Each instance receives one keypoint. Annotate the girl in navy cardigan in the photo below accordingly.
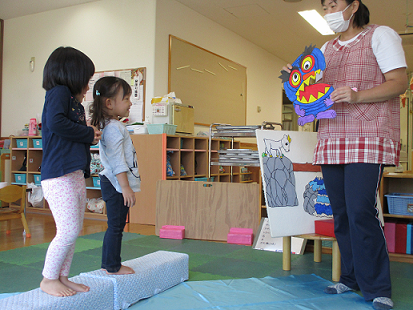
(66, 158)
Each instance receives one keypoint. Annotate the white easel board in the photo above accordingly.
(263, 240)
(294, 190)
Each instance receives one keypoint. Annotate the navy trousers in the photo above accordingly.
(117, 214)
(352, 191)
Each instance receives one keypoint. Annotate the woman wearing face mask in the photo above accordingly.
(367, 68)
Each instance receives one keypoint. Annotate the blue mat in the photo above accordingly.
(292, 292)
(287, 293)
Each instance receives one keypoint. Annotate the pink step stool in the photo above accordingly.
(240, 236)
(172, 232)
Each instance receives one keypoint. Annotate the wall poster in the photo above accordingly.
(136, 78)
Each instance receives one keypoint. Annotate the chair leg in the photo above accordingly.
(287, 253)
(336, 269)
(317, 250)
(26, 227)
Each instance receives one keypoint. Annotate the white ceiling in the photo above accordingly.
(273, 25)
(17, 8)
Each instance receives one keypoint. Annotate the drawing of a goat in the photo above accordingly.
(274, 148)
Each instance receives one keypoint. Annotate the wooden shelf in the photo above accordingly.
(396, 183)
(33, 162)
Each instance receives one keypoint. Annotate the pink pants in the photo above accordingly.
(66, 197)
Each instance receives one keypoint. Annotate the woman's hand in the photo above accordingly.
(344, 94)
(395, 84)
(287, 68)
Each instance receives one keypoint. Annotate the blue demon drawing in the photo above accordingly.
(311, 100)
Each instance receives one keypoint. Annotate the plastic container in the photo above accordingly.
(20, 178)
(96, 181)
(400, 204)
(37, 143)
(154, 129)
(37, 179)
(21, 143)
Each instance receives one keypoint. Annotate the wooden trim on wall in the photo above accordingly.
(1, 65)
(214, 85)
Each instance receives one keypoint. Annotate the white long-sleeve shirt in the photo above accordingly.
(118, 155)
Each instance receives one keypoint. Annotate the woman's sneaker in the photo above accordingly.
(382, 303)
(337, 288)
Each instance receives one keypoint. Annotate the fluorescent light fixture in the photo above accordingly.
(317, 21)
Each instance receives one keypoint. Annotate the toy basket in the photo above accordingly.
(400, 204)
(96, 181)
(154, 129)
(20, 178)
(37, 179)
(21, 143)
(37, 143)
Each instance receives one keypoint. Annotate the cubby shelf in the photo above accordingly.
(29, 147)
(396, 183)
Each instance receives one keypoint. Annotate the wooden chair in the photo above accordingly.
(10, 194)
(4, 157)
(336, 256)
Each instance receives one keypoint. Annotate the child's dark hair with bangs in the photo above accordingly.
(69, 67)
(106, 87)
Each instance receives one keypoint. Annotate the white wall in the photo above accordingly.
(114, 34)
(120, 34)
(263, 85)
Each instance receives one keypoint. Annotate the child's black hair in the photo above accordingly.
(106, 87)
(69, 67)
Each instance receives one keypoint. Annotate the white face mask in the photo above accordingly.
(336, 21)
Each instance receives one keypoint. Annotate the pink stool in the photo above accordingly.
(172, 232)
(241, 236)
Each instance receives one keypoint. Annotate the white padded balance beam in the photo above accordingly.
(154, 273)
(100, 296)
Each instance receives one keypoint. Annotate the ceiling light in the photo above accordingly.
(317, 21)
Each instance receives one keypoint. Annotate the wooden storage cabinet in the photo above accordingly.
(33, 166)
(207, 210)
(189, 151)
(28, 155)
(396, 183)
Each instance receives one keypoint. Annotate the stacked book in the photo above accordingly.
(398, 233)
(238, 156)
